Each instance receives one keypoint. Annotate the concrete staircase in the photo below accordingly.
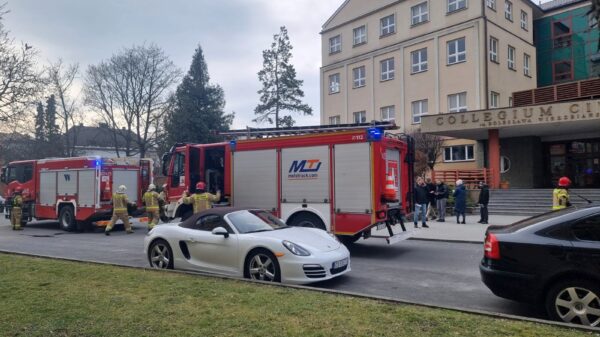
(533, 201)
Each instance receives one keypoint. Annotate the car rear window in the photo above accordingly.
(537, 219)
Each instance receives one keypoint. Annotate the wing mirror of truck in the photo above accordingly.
(166, 160)
(220, 231)
(3, 175)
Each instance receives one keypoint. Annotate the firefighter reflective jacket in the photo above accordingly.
(151, 200)
(202, 201)
(17, 201)
(560, 198)
(120, 203)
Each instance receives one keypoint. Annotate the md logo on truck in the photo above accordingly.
(304, 169)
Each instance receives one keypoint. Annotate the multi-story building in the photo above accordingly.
(407, 59)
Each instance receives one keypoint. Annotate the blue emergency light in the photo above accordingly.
(374, 134)
(232, 144)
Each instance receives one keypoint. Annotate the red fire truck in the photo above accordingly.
(328, 177)
(74, 191)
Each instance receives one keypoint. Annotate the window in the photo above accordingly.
(178, 170)
(526, 59)
(458, 153)
(419, 109)
(388, 25)
(456, 51)
(457, 102)
(20, 172)
(524, 20)
(360, 35)
(511, 58)
(360, 117)
(419, 13)
(561, 33)
(418, 61)
(563, 71)
(387, 69)
(334, 120)
(209, 222)
(494, 49)
(388, 113)
(334, 83)
(491, 4)
(508, 10)
(335, 44)
(359, 77)
(454, 5)
(587, 229)
(494, 99)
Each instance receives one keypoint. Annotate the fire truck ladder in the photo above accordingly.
(303, 130)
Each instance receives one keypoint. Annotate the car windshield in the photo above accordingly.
(254, 221)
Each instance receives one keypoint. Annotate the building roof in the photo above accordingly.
(554, 4)
(97, 136)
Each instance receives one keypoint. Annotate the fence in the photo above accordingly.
(470, 177)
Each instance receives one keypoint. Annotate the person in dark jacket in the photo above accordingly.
(441, 196)
(421, 200)
(484, 199)
(431, 207)
(460, 201)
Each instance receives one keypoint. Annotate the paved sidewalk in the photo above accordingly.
(451, 231)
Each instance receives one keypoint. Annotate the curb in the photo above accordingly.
(331, 291)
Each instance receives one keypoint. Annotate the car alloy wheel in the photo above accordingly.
(261, 267)
(578, 305)
(160, 255)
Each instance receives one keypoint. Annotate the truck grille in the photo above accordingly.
(314, 271)
(338, 270)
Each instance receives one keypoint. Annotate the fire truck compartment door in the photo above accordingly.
(305, 174)
(129, 178)
(67, 182)
(47, 188)
(255, 179)
(353, 190)
(392, 165)
(87, 188)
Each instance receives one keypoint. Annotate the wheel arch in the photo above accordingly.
(64, 203)
(565, 276)
(311, 211)
(250, 252)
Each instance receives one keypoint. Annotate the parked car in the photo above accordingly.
(552, 260)
(247, 243)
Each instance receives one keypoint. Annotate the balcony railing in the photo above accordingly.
(470, 178)
(559, 92)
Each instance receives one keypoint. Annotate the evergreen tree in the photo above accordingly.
(40, 123)
(197, 107)
(52, 132)
(281, 90)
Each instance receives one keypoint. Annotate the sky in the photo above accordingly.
(232, 33)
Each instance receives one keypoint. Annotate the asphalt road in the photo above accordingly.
(426, 272)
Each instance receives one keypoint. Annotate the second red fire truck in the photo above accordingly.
(336, 178)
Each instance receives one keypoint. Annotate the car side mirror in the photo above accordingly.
(220, 231)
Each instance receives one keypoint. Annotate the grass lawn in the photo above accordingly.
(42, 297)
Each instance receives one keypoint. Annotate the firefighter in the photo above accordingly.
(560, 195)
(151, 200)
(201, 200)
(120, 202)
(16, 212)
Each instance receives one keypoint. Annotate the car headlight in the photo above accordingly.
(295, 249)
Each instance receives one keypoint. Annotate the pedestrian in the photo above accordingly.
(441, 196)
(151, 200)
(201, 200)
(484, 199)
(120, 202)
(421, 200)
(432, 213)
(560, 195)
(460, 201)
(16, 211)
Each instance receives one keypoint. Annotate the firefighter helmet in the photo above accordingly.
(200, 186)
(151, 187)
(564, 182)
(122, 189)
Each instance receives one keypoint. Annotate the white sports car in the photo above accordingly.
(247, 243)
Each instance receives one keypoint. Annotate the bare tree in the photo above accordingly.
(19, 80)
(131, 91)
(61, 78)
(429, 146)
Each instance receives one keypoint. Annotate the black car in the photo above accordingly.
(552, 260)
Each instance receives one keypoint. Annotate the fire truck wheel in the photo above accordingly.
(66, 219)
(306, 219)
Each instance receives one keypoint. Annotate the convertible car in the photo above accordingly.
(247, 243)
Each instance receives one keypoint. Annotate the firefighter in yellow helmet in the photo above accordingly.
(120, 202)
(202, 200)
(560, 195)
(151, 200)
(16, 211)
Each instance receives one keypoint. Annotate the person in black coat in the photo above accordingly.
(484, 199)
(460, 201)
(421, 201)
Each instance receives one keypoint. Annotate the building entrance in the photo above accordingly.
(579, 160)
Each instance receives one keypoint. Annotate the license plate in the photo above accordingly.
(340, 263)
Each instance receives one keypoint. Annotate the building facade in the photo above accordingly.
(405, 60)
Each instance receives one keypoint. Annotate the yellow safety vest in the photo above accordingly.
(560, 198)
(151, 200)
(202, 201)
(120, 202)
(17, 201)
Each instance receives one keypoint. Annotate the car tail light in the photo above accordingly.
(491, 247)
